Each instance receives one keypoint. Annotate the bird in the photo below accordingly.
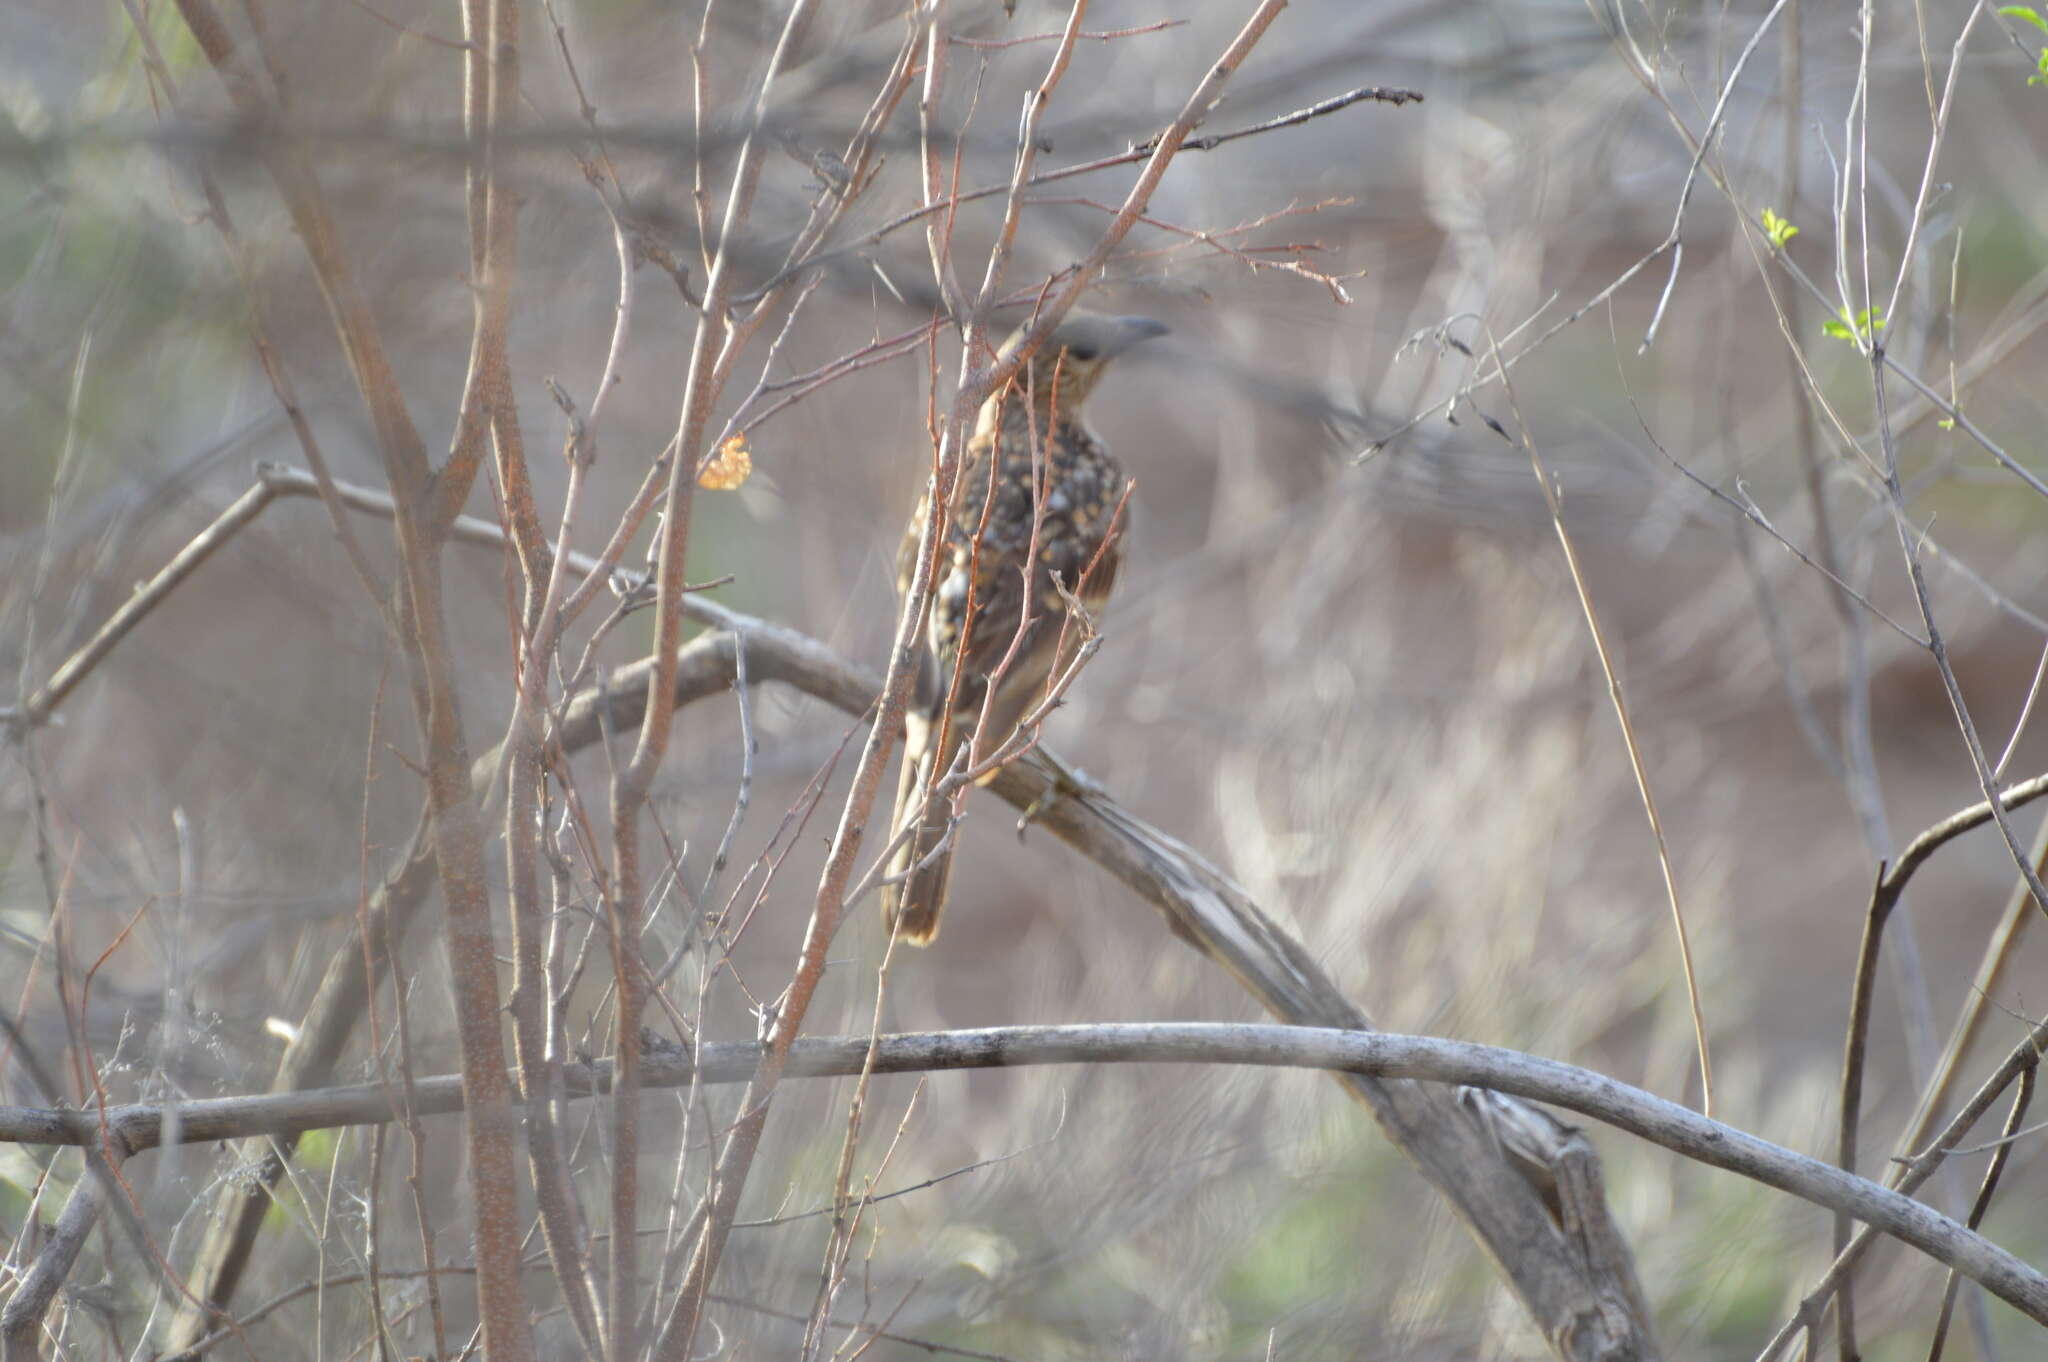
(1029, 435)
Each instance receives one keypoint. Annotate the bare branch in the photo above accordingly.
(1379, 1055)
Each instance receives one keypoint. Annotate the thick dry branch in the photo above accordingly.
(1372, 1054)
(1585, 1298)
(1589, 1303)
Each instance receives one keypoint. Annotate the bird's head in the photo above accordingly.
(1065, 368)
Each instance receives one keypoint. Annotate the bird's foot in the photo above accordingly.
(1063, 782)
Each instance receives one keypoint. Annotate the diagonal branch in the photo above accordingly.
(1586, 1307)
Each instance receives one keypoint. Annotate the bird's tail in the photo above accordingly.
(911, 906)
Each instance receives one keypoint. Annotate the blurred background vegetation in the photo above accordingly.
(1357, 676)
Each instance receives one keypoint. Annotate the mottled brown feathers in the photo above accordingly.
(1028, 436)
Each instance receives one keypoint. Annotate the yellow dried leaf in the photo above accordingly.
(729, 467)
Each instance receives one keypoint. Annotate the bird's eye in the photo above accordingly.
(1084, 353)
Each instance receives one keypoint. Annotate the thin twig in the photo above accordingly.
(2001, 1155)
(1628, 736)
(1139, 152)
(1912, 1173)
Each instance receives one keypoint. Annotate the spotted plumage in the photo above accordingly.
(1029, 436)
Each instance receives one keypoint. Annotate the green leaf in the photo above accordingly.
(1778, 229)
(1866, 323)
(2026, 13)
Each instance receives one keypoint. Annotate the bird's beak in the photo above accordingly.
(1130, 331)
